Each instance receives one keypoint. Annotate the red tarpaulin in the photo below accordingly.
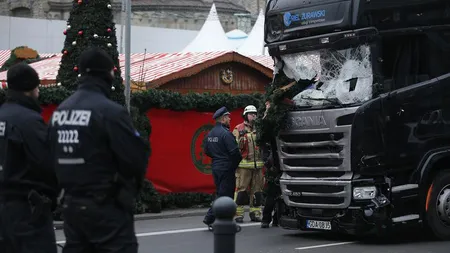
(177, 163)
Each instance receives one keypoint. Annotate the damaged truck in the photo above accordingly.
(366, 146)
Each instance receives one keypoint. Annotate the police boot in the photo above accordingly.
(264, 224)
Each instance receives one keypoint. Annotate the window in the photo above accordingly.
(21, 12)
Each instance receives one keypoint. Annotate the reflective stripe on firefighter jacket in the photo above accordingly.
(246, 139)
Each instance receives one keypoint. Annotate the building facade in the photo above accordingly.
(176, 14)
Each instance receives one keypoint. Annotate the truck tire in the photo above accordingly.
(438, 214)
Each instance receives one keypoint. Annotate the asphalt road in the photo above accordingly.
(188, 235)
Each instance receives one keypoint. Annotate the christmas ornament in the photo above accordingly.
(59, 84)
(65, 52)
(80, 33)
(109, 30)
(113, 88)
(109, 6)
(75, 68)
(109, 45)
(68, 27)
(79, 75)
(80, 1)
(95, 36)
(115, 68)
(74, 43)
(65, 32)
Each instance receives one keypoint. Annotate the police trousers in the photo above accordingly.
(93, 227)
(253, 179)
(271, 205)
(225, 182)
(26, 229)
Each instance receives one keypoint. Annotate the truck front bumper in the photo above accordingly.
(355, 220)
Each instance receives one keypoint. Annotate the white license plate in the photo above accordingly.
(316, 224)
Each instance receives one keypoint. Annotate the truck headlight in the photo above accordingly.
(367, 192)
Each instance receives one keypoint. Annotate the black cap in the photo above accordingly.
(95, 60)
(221, 112)
(22, 77)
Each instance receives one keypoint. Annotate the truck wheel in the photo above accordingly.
(438, 213)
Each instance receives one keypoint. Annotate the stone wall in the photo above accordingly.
(176, 19)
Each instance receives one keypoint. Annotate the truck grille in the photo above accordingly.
(314, 153)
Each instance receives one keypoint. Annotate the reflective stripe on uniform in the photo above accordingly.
(250, 164)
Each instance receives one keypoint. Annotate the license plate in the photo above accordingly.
(316, 224)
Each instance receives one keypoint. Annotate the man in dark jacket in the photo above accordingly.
(222, 147)
(27, 180)
(100, 162)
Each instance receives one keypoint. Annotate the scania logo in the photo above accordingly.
(308, 121)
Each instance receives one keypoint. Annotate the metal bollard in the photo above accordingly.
(224, 227)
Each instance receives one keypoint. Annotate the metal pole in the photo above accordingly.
(224, 226)
(122, 23)
(127, 55)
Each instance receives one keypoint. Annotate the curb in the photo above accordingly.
(155, 216)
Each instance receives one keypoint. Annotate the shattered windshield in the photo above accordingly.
(338, 76)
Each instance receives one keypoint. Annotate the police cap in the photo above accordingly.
(221, 112)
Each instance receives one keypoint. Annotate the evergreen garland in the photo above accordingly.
(149, 200)
(280, 104)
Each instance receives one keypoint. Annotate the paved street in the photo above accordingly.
(187, 235)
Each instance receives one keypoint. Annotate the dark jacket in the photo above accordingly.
(93, 141)
(222, 147)
(24, 149)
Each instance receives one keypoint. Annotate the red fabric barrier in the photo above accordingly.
(177, 163)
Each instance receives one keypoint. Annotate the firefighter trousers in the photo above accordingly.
(253, 179)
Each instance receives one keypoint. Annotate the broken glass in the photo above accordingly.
(344, 76)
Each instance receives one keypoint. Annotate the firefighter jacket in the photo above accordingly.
(94, 143)
(25, 162)
(246, 138)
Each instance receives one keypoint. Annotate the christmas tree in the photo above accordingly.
(90, 24)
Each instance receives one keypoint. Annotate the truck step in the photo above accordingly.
(404, 218)
(404, 187)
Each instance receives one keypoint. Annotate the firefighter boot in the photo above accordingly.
(241, 199)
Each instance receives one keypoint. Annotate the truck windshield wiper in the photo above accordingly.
(334, 101)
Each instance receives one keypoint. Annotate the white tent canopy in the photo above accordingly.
(211, 37)
(254, 44)
(236, 38)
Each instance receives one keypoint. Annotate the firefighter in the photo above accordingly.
(249, 172)
(100, 160)
(28, 184)
(221, 146)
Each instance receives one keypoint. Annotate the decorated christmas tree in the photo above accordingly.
(90, 24)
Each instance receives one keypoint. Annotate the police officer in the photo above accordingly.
(27, 180)
(100, 162)
(273, 190)
(221, 146)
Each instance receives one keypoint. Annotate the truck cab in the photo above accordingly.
(366, 146)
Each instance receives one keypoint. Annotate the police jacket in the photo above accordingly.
(25, 163)
(221, 146)
(94, 141)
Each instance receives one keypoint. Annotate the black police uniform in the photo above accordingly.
(273, 190)
(221, 146)
(100, 162)
(27, 180)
